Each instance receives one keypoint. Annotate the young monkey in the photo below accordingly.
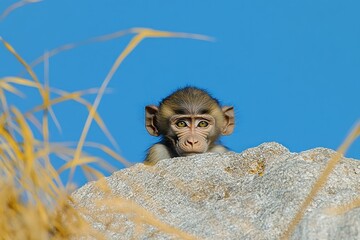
(189, 122)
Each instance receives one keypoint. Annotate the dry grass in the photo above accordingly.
(34, 203)
(320, 182)
(15, 6)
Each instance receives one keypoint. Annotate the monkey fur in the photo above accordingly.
(189, 121)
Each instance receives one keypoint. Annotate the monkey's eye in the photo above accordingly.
(203, 124)
(181, 124)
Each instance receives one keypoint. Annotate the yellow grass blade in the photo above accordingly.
(142, 33)
(133, 43)
(97, 117)
(20, 59)
(47, 104)
(70, 96)
(34, 121)
(8, 87)
(5, 115)
(91, 173)
(70, 46)
(107, 37)
(28, 139)
(27, 161)
(152, 33)
(52, 174)
(45, 130)
(16, 5)
(343, 208)
(21, 81)
(55, 119)
(75, 96)
(80, 161)
(46, 99)
(11, 142)
(103, 126)
(110, 152)
(6, 152)
(105, 165)
(42, 182)
(66, 154)
(44, 153)
(322, 180)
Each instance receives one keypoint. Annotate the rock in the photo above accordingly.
(250, 195)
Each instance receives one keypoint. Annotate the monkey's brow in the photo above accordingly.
(180, 111)
(177, 117)
(185, 111)
(204, 111)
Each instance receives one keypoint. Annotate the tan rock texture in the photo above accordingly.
(249, 195)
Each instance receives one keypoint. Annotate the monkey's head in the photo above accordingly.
(189, 120)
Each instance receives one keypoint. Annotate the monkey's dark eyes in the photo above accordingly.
(203, 124)
(181, 124)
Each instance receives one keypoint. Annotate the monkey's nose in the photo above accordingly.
(191, 142)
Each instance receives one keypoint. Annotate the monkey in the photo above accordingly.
(189, 121)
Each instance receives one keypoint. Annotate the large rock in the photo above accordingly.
(250, 195)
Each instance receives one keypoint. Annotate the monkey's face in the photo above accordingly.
(189, 121)
(191, 134)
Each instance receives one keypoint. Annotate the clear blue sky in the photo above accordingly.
(290, 68)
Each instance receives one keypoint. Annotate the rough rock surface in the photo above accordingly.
(250, 195)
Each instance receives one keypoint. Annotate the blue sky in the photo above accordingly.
(290, 68)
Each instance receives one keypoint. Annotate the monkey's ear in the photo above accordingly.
(229, 123)
(150, 119)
